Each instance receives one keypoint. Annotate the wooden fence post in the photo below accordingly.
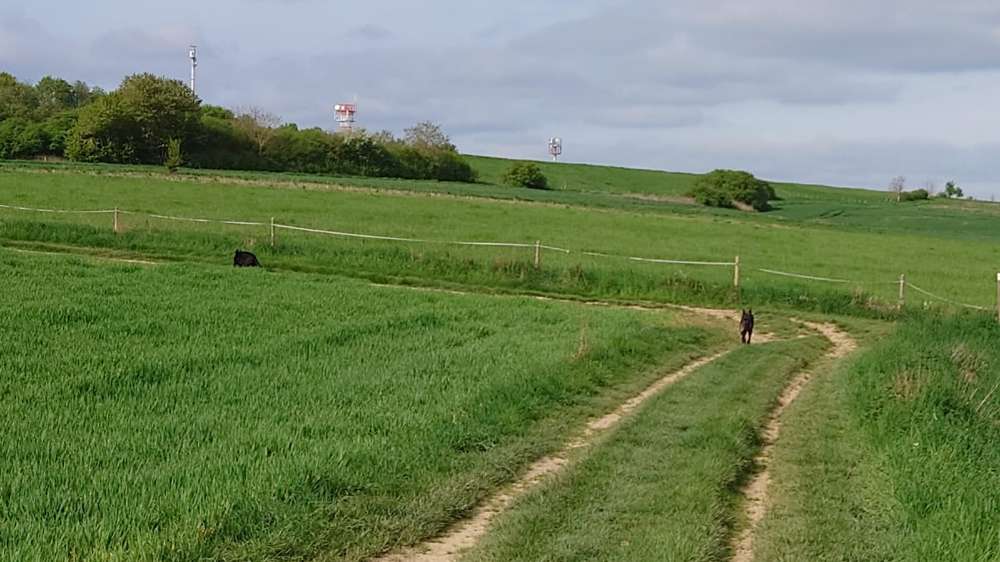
(538, 254)
(116, 220)
(902, 290)
(272, 232)
(736, 273)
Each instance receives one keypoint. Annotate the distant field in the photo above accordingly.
(190, 412)
(592, 178)
(609, 188)
(945, 248)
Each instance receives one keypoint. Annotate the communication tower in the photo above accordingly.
(555, 148)
(193, 55)
(345, 114)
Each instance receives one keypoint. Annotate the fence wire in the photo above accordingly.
(536, 245)
(945, 299)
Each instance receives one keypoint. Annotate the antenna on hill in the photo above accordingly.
(555, 148)
(193, 55)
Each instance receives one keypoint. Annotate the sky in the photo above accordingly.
(840, 92)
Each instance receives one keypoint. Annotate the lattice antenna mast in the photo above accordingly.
(193, 55)
(555, 148)
(346, 115)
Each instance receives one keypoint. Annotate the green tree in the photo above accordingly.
(952, 191)
(526, 174)
(730, 188)
(16, 99)
(134, 123)
(359, 154)
(105, 132)
(54, 95)
(57, 129)
(216, 112)
(20, 138)
(84, 94)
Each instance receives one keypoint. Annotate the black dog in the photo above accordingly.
(245, 259)
(746, 326)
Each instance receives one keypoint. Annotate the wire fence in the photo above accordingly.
(537, 247)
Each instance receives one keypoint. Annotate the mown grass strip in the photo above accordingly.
(665, 485)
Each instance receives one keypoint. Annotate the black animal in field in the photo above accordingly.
(746, 326)
(245, 259)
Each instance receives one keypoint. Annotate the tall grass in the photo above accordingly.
(188, 412)
(893, 456)
(929, 400)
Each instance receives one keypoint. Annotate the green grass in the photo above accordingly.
(631, 181)
(896, 451)
(962, 269)
(665, 485)
(830, 497)
(188, 412)
(623, 189)
(255, 415)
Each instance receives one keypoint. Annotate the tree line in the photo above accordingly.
(154, 120)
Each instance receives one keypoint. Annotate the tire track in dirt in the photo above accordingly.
(755, 493)
(466, 534)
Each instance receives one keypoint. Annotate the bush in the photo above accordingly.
(174, 157)
(526, 174)
(729, 188)
(450, 166)
(20, 138)
(915, 195)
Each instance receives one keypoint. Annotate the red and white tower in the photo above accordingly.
(345, 113)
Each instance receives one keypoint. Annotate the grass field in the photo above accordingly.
(959, 266)
(599, 187)
(666, 486)
(896, 451)
(190, 412)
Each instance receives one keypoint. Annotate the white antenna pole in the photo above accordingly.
(193, 55)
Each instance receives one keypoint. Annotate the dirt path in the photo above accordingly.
(82, 255)
(755, 493)
(466, 534)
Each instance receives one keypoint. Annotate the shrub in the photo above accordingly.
(174, 158)
(450, 166)
(729, 188)
(915, 195)
(526, 174)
